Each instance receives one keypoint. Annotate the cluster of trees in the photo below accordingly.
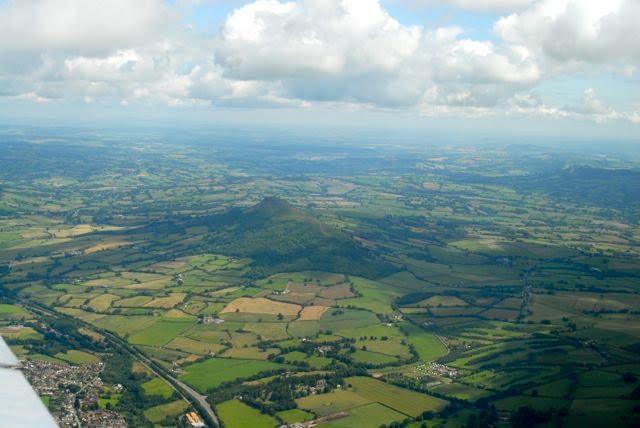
(280, 393)
(133, 400)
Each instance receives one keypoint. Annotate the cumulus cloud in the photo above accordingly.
(472, 5)
(86, 26)
(353, 50)
(307, 52)
(269, 39)
(590, 31)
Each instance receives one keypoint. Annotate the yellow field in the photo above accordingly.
(136, 367)
(30, 261)
(177, 313)
(312, 313)
(193, 346)
(156, 284)
(81, 229)
(108, 245)
(250, 353)
(91, 334)
(261, 305)
(168, 266)
(103, 302)
(166, 302)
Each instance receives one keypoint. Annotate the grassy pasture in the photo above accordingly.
(462, 392)
(78, 357)
(392, 348)
(12, 312)
(375, 296)
(203, 333)
(214, 371)
(158, 413)
(250, 353)
(157, 386)
(166, 302)
(156, 284)
(193, 346)
(402, 400)
(236, 414)
(160, 333)
(303, 328)
(24, 333)
(268, 330)
(428, 346)
(123, 325)
(335, 319)
(369, 357)
(366, 416)
(314, 361)
(102, 303)
(133, 302)
(332, 402)
(294, 416)
(560, 388)
(241, 339)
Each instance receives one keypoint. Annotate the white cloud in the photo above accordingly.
(84, 26)
(354, 51)
(301, 53)
(587, 31)
(268, 39)
(472, 5)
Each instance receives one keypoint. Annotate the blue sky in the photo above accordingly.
(501, 66)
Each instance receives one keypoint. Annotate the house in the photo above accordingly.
(194, 420)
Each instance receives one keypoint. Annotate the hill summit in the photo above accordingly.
(273, 208)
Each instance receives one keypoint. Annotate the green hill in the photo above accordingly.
(281, 237)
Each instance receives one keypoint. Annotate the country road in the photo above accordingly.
(202, 399)
(184, 388)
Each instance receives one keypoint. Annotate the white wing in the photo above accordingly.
(20, 406)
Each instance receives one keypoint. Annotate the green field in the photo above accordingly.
(160, 333)
(78, 357)
(295, 415)
(12, 312)
(215, 371)
(236, 414)
(366, 416)
(408, 402)
(158, 413)
(333, 402)
(462, 392)
(428, 346)
(157, 386)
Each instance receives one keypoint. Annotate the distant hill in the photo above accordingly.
(615, 188)
(281, 237)
(604, 187)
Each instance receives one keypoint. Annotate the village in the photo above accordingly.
(72, 393)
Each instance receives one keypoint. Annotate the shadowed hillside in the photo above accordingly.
(279, 236)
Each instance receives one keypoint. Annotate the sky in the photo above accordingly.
(565, 67)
